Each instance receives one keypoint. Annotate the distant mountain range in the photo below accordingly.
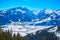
(45, 17)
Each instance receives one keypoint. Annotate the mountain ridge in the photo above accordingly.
(19, 14)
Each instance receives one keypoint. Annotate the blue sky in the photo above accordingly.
(31, 4)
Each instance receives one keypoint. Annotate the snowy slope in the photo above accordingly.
(22, 29)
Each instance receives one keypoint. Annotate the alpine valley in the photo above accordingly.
(24, 21)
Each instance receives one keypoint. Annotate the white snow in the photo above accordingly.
(57, 12)
(20, 10)
(48, 11)
(47, 19)
(53, 29)
(57, 34)
(36, 12)
(23, 30)
(53, 15)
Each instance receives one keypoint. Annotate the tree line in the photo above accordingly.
(8, 36)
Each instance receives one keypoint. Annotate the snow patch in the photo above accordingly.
(57, 12)
(53, 29)
(20, 10)
(47, 19)
(36, 12)
(48, 11)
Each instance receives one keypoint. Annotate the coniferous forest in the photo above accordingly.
(8, 36)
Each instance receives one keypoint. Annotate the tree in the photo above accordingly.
(18, 37)
(58, 29)
(0, 28)
(8, 35)
(14, 37)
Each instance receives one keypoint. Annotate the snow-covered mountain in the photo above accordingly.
(27, 21)
(52, 16)
(19, 14)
